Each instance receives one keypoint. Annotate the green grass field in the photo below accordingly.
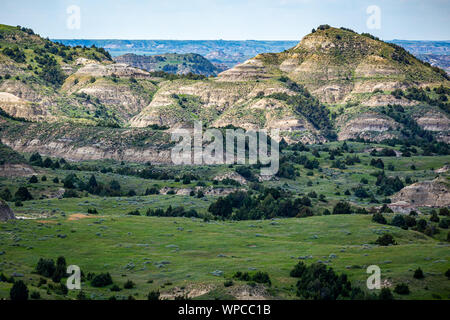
(177, 256)
(194, 249)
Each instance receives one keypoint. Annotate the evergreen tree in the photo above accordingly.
(23, 194)
(19, 291)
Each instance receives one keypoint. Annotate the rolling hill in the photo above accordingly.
(335, 83)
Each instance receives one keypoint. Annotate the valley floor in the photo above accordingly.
(182, 256)
(196, 257)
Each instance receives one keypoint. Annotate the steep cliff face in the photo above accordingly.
(434, 121)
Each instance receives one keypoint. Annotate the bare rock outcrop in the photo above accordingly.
(5, 212)
(250, 70)
(434, 194)
(209, 191)
(434, 121)
(370, 126)
(16, 170)
(119, 69)
(20, 108)
(444, 169)
(233, 176)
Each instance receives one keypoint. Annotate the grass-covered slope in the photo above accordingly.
(352, 74)
(67, 212)
(45, 81)
(334, 63)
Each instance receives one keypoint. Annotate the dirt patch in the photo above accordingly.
(46, 221)
(79, 216)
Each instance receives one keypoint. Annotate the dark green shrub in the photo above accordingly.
(60, 270)
(342, 207)
(134, 213)
(101, 280)
(444, 223)
(386, 294)
(153, 296)
(228, 283)
(115, 288)
(6, 195)
(298, 270)
(243, 276)
(410, 221)
(23, 194)
(35, 295)
(151, 191)
(19, 291)
(45, 267)
(434, 217)
(385, 240)
(447, 273)
(129, 285)
(421, 225)
(379, 218)
(318, 282)
(385, 209)
(399, 221)
(418, 274)
(261, 277)
(402, 288)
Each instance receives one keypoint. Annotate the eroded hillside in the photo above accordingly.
(335, 84)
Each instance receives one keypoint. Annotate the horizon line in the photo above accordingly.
(286, 40)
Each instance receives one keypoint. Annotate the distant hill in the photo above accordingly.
(334, 84)
(353, 75)
(438, 60)
(172, 63)
(229, 53)
(437, 53)
(424, 47)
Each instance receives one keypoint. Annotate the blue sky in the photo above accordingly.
(227, 19)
